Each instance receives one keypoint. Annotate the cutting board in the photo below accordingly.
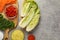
(15, 20)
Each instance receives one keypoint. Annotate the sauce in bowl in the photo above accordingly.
(11, 11)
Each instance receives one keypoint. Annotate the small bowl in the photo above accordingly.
(13, 17)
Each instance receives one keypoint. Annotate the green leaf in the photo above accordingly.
(27, 6)
(4, 23)
(25, 21)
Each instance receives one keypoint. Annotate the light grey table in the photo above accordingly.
(49, 25)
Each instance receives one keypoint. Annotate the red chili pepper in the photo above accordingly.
(11, 11)
(31, 37)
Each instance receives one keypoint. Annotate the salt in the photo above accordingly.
(1, 35)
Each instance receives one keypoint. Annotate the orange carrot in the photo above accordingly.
(4, 2)
(11, 1)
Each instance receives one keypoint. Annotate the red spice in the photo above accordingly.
(11, 11)
(31, 37)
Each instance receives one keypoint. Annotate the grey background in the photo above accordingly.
(49, 24)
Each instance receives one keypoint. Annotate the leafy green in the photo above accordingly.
(34, 21)
(1, 16)
(4, 23)
(25, 21)
(27, 6)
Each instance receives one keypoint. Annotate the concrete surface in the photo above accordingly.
(49, 27)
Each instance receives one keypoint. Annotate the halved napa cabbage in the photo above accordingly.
(26, 20)
(26, 8)
(33, 22)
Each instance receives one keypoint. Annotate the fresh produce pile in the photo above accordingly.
(4, 23)
(30, 15)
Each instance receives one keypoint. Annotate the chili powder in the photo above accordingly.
(31, 37)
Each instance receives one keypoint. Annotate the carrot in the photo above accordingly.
(11, 1)
(1, 7)
(4, 2)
